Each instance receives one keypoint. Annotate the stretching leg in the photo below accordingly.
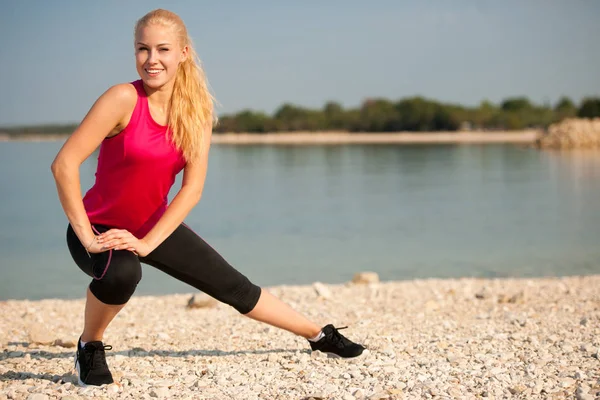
(188, 258)
(273, 311)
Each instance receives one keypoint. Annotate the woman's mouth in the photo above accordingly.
(153, 72)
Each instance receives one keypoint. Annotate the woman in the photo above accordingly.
(148, 131)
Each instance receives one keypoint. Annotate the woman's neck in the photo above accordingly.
(161, 97)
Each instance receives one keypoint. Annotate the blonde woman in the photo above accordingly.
(148, 131)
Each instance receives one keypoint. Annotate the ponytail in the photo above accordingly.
(191, 109)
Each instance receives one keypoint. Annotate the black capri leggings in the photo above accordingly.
(184, 255)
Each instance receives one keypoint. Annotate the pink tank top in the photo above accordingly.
(136, 170)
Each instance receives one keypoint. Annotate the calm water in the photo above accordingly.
(295, 215)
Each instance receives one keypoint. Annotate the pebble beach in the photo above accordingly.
(435, 339)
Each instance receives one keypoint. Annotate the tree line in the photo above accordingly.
(410, 114)
(383, 115)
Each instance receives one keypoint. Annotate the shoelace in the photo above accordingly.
(337, 339)
(96, 355)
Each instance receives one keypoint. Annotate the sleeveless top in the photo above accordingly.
(136, 170)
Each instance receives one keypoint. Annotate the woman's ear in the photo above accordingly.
(185, 53)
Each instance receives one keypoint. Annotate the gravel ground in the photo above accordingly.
(462, 338)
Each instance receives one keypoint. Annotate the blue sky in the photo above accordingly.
(59, 56)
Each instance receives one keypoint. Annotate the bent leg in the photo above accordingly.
(97, 317)
(115, 276)
(108, 295)
(188, 258)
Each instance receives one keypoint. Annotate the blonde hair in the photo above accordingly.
(191, 107)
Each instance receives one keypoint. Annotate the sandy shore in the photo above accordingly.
(304, 138)
(524, 137)
(463, 338)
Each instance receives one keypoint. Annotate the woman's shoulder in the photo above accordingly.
(119, 100)
(122, 93)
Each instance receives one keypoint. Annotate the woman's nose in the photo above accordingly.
(151, 56)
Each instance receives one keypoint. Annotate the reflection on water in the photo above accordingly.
(297, 214)
(575, 168)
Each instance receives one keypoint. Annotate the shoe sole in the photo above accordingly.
(334, 355)
(79, 381)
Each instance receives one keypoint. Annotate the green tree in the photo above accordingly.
(334, 116)
(293, 118)
(377, 115)
(249, 121)
(516, 104)
(590, 108)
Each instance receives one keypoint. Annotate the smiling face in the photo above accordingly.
(158, 52)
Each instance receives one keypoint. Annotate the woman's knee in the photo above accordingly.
(119, 282)
(243, 296)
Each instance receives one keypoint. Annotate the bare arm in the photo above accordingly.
(194, 176)
(105, 117)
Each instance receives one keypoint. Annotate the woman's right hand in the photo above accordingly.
(95, 246)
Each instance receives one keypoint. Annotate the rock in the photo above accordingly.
(365, 278)
(322, 290)
(202, 300)
(384, 394)
(519, 298)
(40, 335)
(160, 392)
(567, 382)
(503, 298)
(484, 293)
(318, 355)
(452, 358)
(454, 392)
(582, 393)
(37, 396)
(67, 343)
(190, 380)
(580, 375)
(572, 133)
(517, 389)
(431, 305)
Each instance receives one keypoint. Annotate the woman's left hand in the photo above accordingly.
(122, 239)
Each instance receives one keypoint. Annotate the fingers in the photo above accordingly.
(110, 237)
(113, 233)
(117, 239)
(118, 244)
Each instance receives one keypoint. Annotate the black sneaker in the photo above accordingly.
(335, 343)
(90, 363)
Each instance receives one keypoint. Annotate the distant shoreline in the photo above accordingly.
(319, 138)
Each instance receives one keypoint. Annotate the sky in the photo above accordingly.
(57, 57)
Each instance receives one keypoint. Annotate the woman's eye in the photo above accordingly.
(164, 49)
(142, 48)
